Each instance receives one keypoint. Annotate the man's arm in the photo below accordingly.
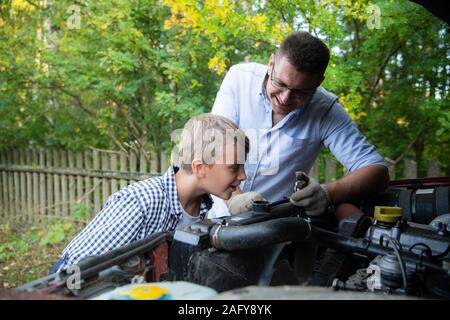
(359, 184)
(234, 194)
(368, 174)
(225, 103)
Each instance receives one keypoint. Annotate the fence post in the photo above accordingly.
(105, 182)
(114, 184)
(36, 206)
(72, 185)
(11, 215)
(29, 176)
(50, 192)
(314, 172)
(391, 167)
(16, 191)
(57, 183)
(87, 184)
(23, 186)
(64, 185)
(164, 164)
(153, 162)
(42, 198)
(3, 191)
(433, 169)
(142, 162)
(330, 169)
(96, 166)
(79, 165)
(133, 163)
(123, 168)
(410, 169)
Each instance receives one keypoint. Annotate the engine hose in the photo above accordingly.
(260, 234)
(365, 248)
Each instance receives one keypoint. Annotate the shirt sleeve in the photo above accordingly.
(226, 103)
(116, 225)
(342, 137)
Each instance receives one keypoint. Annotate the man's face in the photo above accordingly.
(288, 88)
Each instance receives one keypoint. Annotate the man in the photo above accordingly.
(289, 117)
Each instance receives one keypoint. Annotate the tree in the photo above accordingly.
(120, 74)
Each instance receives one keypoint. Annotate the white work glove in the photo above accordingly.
(314, 197)
(243, 202)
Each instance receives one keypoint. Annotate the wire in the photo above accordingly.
(430, 252)
(442, 255)
(426, 249)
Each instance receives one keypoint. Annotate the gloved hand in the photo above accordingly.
(243, 202)
(314, 197)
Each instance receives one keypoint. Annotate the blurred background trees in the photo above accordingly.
(119, 73)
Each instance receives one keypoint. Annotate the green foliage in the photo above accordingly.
(28, 252)
(55, 233)
(80, 211)
(7, 250)
(136, 70)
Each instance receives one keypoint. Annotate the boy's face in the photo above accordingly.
(222, 179)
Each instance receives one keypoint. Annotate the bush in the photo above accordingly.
(28, 252)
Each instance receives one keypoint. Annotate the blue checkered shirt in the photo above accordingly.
(130, 214)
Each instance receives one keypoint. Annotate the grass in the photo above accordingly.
(28, 252)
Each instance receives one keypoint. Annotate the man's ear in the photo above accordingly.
(198, 168)
(271, 60)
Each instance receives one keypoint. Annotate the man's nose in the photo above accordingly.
(285, 96)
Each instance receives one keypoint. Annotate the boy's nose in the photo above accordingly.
(242, 176)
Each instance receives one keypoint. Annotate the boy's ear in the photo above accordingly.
(198, 168)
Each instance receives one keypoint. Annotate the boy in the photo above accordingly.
(211, 155)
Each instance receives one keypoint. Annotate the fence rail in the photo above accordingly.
(36, 184)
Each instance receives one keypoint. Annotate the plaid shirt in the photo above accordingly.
(128, 215)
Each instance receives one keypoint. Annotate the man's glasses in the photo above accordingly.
(296, 93)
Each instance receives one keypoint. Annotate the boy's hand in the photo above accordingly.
(313, 197)
(243, 202)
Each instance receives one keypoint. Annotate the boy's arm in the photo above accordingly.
(118, 224)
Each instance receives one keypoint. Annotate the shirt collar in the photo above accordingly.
(171, 188)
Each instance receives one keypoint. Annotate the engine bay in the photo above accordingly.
(397, 244)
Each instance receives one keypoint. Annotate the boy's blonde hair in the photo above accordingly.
(206, 136)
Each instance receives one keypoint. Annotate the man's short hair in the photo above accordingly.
(305, 52)
(206, 136)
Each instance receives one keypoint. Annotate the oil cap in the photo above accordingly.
(388, 215)
(260, 206)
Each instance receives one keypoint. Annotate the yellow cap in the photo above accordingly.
(145, 292)
(388, 214)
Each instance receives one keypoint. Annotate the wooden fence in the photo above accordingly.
(37, 185)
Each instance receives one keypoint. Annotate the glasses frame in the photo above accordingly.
(296, 93)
